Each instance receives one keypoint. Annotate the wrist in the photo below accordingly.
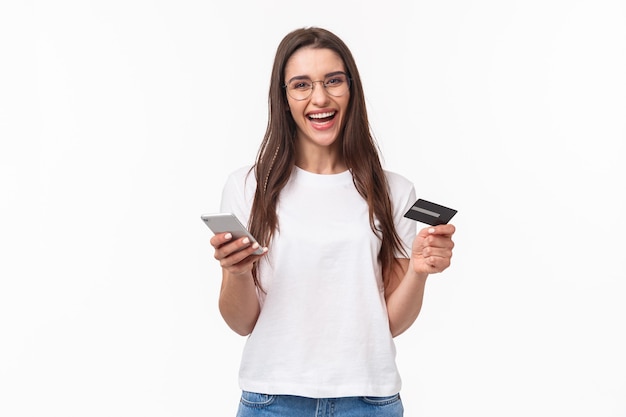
(417, 275)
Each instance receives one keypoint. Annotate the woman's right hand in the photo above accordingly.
(235, 256)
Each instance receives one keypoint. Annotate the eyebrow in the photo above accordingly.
(306, 77)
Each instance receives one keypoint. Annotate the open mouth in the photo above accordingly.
(322, 117)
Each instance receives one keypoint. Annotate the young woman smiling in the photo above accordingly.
(343, 272)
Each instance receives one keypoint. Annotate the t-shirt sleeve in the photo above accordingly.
(403, 196)
(238, 193)
(406, 228)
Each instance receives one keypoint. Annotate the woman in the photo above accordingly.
(343, 272)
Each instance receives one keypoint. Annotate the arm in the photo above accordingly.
(404, 294)
(238, 302)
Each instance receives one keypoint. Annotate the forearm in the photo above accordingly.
(238, 302)
(405, 302)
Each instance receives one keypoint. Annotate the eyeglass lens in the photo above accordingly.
(335, 85)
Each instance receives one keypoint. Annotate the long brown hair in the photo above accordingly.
(277, 154)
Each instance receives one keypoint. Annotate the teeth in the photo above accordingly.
(321, 115)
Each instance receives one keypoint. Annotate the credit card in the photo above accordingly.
(430, 213)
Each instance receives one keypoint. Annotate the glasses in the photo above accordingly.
(301, 88)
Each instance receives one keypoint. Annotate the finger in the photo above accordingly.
(242, 260)
(443, 242)
(229, 248)
(237, 252)
(439, 264)
(245, 265)
(434, 240)
(220, 238)
(442, 229)
(436, 251)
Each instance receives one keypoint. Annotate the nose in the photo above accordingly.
(319, 94)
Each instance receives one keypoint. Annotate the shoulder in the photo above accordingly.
(238, 192)
(401, 191)
(402, 195)
(242, 177)
(397, 182)
(241, 181)
(242, 173)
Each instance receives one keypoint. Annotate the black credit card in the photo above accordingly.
(430, 213)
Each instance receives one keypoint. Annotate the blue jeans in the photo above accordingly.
(263, 405)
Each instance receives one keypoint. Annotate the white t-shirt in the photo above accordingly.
(323, 329)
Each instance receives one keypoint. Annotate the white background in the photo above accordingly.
(120, 120)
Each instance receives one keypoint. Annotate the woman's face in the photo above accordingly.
(319, 117)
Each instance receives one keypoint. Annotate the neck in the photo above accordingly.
(322, 165)
(320, 160)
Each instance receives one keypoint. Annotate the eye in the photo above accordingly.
(335, 81)
(300, 85)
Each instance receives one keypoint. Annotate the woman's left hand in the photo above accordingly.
(432, 249)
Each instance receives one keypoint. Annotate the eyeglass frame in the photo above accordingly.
(348, 80)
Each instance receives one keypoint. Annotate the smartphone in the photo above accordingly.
(228, 222)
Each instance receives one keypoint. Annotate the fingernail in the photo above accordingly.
(246, 240)
(255, 245)
(431, 230)
(228, 236)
